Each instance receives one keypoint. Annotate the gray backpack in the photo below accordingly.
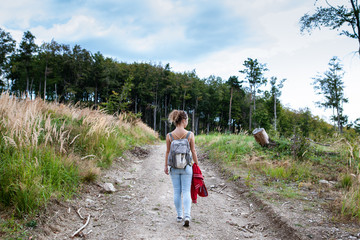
(179, 155)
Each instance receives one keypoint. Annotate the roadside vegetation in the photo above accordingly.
(47, 150)
(330, 169)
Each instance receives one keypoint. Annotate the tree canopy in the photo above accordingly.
(72, 74)
(344, 18)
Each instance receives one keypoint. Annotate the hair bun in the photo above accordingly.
(176, 116)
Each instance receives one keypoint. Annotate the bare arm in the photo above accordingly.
(166, 169)
(192, 148)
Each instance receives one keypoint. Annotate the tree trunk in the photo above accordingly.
(250, 118)
(338, 119)
(56, 95)
(231, 96)
(208, 125)
(261, 136)
(184, 101)
(160, 119)
(27, 82)
(254, 99)
(166, 115)
(136, 103)
(96, 95)
(356, 10)
(31, 84)
(197, 126)
(275, 116)
(155, 108)
(193, 121)
(45, 77)
(39, 93)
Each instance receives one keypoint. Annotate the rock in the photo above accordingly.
(109, 188)
(325, 183)
(118, 181)
(126, 197)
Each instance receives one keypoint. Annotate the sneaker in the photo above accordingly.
(179, 219)
(186, 222)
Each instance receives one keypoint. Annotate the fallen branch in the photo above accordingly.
(230, 196)
(222, 189)
(322, 144)
(78, 212)
(80, 229)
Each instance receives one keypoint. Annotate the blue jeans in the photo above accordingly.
(181, 179)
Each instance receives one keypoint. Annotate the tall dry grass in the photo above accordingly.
(47, 149)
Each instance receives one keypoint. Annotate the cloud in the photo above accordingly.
(160, 29)
(213, 37)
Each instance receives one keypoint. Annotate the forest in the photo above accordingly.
(71, 74)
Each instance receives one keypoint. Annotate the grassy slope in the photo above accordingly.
(47, 150)
(289, 166)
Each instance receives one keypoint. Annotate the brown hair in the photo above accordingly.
(176, 116)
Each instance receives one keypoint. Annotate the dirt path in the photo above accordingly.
(142, 207)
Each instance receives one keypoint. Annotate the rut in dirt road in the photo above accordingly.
(143, 208)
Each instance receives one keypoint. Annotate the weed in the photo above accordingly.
(249, 179)
(346, 181)
(350, 202)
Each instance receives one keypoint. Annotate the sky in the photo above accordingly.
(211, 37)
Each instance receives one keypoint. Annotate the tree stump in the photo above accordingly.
(261, 136)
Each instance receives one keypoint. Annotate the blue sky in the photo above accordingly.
(212, 37)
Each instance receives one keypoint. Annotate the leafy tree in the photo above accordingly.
(261, 114)
(27, 49)
(254, 72)
(98, 75)
(7, 47)
(331, 86)
(345, 17)
(120, 101)
(357, 125)
(49, 56)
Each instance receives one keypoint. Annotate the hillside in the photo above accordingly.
(47, 150)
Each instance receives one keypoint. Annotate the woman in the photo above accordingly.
(181, 178)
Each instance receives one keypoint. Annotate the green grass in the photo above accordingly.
(48, 150)
(351, 203)
(29, 177)
(227, 148)
(288, 162)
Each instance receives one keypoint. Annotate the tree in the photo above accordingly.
(331, 86)
(344, 17)
(7, 46)
(275, 92)
(357, 125)
(49, 53)
(234, 83)
(27, 49)
(254, 75)
(119, 102)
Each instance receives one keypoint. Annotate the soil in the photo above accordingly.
(142, 208)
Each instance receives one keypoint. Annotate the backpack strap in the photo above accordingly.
(188, 135)
(171, 137)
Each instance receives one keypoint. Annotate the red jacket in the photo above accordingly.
(197, 184)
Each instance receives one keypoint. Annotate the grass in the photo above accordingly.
(47, 149)
(288, 163)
